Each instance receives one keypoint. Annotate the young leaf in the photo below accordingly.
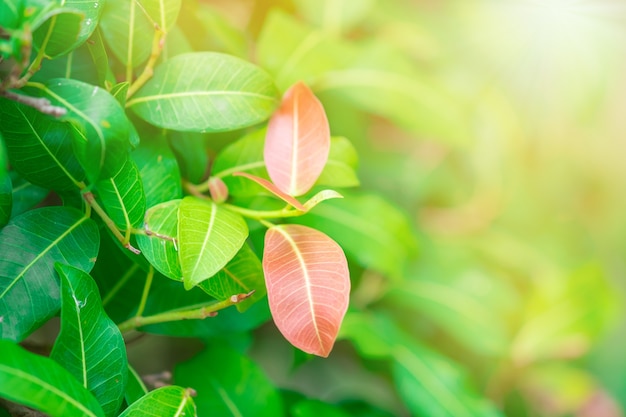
(30, 245)
(297, 142)
(370, 229)
(205, 92)
(89, 345)
(242, 275)
(100, 127)
(40, 147)
(123, 197)
(41, 383)
(209, 236)
(272, 188)
(308, 286)
(158, 246)
(170, 401)
(230, 384)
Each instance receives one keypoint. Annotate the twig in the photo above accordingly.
(41, 104)
(19, 410)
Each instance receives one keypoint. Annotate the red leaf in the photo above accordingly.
(272, 189)
(297, 141)
(308, 286)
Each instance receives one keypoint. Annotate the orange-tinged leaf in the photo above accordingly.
(297, 142)
(272, 188)
(308, 286)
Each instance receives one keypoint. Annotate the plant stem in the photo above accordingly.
(208, 310)
(91, 200)
(270, 214)
(146, 291)
(41, 104)
(148, 71)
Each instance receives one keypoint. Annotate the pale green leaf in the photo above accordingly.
(40, 148)
(370, 230)
(89, 345)
(340, 169)
(169, 401)
(41, 383)
(334, 16)
(230, 384)
(122, 196)
(242, 275)
(159, 245)
(209, 236)
(31, 243)
(205, 92)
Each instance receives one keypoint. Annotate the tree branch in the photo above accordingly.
(41, 104)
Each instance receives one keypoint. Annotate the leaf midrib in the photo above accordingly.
(169, 96)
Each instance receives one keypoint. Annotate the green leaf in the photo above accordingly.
(292, 51)
(78, 64)
(60, 33)
(6, 198)
(89, 345)
(40, 147)
(119, 91)
(241, 275)
(129, 27)
(158, 170)
(159, 246)
(369, 229)
(31, 243)
(432, 385)
(340, 169)
(101, 129)
(135, 388)
(244, 155)
(316, 408)
(100, 58)
(191, 154)
(209, 236)
(163, 402)
(41, 383)
(229, 385)
(122, 196)
(25, 194)
(205, 92)
(455, 310)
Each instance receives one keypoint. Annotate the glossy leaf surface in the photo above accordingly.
(122, 196)
(63, 26)
(89, 345)
(100, 128)
(209, 236)
(169, 401)
(160, 249)
(369, 228)
(40, 147)
(297, 142)
(230, 384)
(242, 275)
(308, 286)
(31, 244)
(41, 383)
(205, 92)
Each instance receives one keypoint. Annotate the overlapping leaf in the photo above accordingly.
(297, 142)
(41, 383)
(369, 228)
(242, 275)
(230, 384)
(89, 345)
(159, 247)
(60, 33)
(101, 129)
(205, 92)
(129, 27)
(122, 196)
(135, 387)
(25, 195)
(79, 64)
(308, 286)
(31, 243)
(40, 148)
(6, 187)
(169, 401)
(209, 236)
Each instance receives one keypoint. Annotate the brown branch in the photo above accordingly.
(41, 104)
